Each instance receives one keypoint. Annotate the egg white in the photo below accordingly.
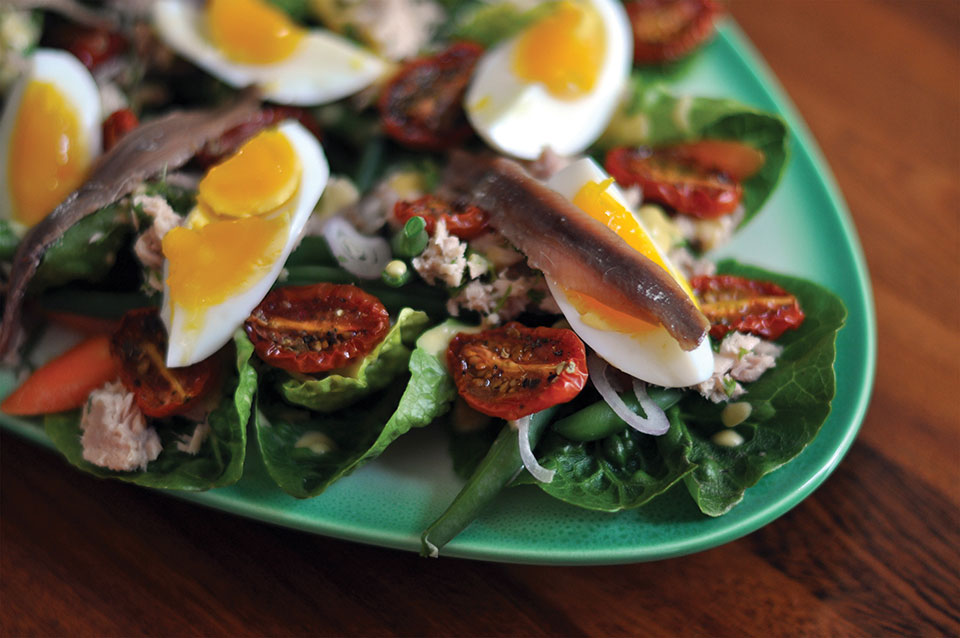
(79, 89)
(653, 356)
(219, 322)
(522, 119)
(325, 67)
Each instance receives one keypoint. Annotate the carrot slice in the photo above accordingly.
(65, 382)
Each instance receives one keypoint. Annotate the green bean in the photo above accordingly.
(411, 239)
(599, 421)
(8, 240)
(95, 303)
(495, 472)
(312, 251)
(396, 274)
(369, 165)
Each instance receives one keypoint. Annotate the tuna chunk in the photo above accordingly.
(741, 358)
(115, 432)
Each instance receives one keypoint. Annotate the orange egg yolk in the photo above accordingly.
(594, 200)
(252, 31)
(208, 265)
(260, 177)
(239, 227)
(48, 157)
(564, 51)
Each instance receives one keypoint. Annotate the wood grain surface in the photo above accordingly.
(874, 551)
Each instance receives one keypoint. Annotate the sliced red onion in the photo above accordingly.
(537, 471)
(654, 424)
(657, 421)
(360, 255)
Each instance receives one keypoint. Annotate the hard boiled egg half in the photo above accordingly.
(49, 136)
(251, 42)
(556, 84)
(251, 209)
(641, 349)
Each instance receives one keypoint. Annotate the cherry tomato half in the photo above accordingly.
(422, 106)
(667, 30)
(118, 124)
(513, 371)
(316, 328)
(677, 181)
(91, 45)
(464, 221)
(761, 308)
(139, 347)
(219, 148)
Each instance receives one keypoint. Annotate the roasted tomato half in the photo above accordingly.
(667, 30)
(464, 221)
(676, 180)
(91, 45)
(118, 124)
(225, 145)
(513, 371)
(761, 308)
(139, 346)
(422, 106)
(316, 328)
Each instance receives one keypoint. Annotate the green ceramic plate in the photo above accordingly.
(805, 229)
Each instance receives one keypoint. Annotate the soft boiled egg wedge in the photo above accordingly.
(642, 350)
(251, 42)
(251, 209)
(556, 84)
(49, 136)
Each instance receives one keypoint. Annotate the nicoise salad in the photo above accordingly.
(318, 224)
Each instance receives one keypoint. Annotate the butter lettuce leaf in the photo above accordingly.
(372, 373)
(653, 116)
(221, 457)
(305, 453)
(789, 403)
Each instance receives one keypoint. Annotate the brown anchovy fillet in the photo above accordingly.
(579, 251)
(163, 144)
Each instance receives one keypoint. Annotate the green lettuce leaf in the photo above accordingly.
(622, 471)
(336, 391)
(334, 445)
(489, 24)
(220, 459)
(790, 403)
(653, 116)
(87, 251)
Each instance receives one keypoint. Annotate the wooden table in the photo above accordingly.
(874, 551)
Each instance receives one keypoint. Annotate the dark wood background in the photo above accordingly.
(874, 551)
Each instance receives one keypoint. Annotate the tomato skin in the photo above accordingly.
(422, 106)
(761, 308)
(216, 150)
(316, 328)
(139, 348)
(91, 45)
(466, 222)
(513, 371)
(118, 124)
(735, 159)
(668, 178)
(667, 30)
(64, 383)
